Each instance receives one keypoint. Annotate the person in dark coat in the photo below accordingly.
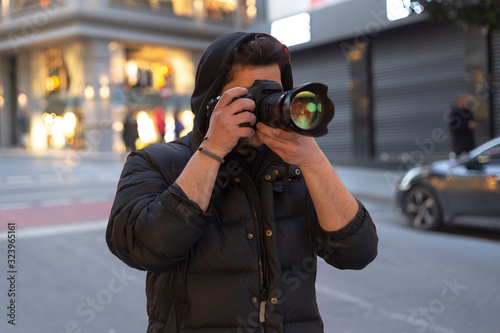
(462, 125)
(230, 234)
(130, 132)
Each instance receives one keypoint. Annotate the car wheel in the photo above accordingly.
(422, 207)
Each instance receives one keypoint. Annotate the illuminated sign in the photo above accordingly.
(399, 9)
(293, 30)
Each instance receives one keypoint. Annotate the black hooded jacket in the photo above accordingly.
(248, 264)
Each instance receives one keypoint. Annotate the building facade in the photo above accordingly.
(73, 71)
(78, 74)
(393, 82)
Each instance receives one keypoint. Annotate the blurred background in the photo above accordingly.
(84, 82)
(81, 74)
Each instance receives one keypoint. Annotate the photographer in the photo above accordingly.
(230, 233)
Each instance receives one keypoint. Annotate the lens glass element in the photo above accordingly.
(306, 110)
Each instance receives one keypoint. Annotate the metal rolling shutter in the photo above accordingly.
(418, 71)
(327, 65)
(495, 82)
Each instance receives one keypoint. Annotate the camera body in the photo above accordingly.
(306, 109)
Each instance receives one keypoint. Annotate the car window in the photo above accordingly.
(491, 155)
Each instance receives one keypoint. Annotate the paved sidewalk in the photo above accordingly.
(363, 182)
(63, 153)
(369, 183)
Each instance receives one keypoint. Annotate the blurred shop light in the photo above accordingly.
(198, 6)
(69, 124)
(228, 5)
(104, 92)
(52, 83)
(22, 100)
(39, 135)
(103, 80)
(88, 93)
(48, 120)
(2, 101)
(146, 128)
(169, 128)
(251, 9)
(131, 68)
(293, 30)
(160, 71)
(155, 4)
(417, 7)
(117, 126)
(164, 70)
(357, 51)
(187, 121)
(4, 6)
(59, 140)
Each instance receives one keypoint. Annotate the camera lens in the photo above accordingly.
(305, 110)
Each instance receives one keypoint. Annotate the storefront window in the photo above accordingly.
(21, 4)
(177, 7)
(158, 82)
(243, 11)
(57, 87)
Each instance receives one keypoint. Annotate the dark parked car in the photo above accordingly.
(462, 190)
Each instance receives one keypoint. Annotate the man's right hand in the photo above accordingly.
(224, 130)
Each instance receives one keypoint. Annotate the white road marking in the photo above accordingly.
(22, 179)
(57, 202)
(380, 310)
(16, 205)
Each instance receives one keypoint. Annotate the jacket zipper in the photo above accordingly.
(263, 266)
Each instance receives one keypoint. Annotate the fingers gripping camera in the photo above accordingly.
(305, 109)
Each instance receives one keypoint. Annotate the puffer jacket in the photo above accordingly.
(251, 256)
(247, 264)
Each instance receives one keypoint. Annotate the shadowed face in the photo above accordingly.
(245, 77)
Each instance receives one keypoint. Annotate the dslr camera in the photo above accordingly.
(306, 109)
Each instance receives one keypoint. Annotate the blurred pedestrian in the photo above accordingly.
(179, 127)
(130, 132)
(462, 125)
(159, 119)
(229, 220)
(24, 127)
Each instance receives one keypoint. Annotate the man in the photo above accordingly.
(462, 125)
(228, 240)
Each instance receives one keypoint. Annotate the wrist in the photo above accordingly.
(213, 147)
(315, 160)
(211, 154)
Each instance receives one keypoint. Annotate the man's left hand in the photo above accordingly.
(292, 147)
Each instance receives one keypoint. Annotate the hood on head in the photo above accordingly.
(212, 70)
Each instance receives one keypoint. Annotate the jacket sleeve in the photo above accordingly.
(352, 247)
(153, 225)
